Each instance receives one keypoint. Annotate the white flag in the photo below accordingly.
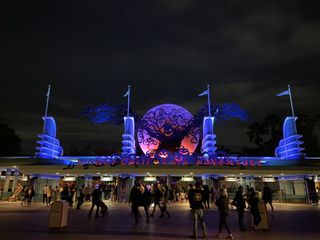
(283, 93)
(204, 93)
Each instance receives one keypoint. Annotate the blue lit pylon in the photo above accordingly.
(49, 146)
(290, 146)
(209, 138)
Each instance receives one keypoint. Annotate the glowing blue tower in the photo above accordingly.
(209, 138)
(128, 142)
(290, 146)
(49, 146)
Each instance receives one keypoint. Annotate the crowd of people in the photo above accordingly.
(156, 196)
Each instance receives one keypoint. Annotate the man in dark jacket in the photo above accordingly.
(239, 202)
(139, 196)
(196, 197)
(135, 200)
(267, 196)
(96, 198)
(223, 206)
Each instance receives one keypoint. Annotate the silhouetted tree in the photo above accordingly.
(255, 132)
(10, 143)
(307, 126)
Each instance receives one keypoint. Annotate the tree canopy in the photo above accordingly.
(10, 143)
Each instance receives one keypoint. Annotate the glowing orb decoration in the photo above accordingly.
(169, 127)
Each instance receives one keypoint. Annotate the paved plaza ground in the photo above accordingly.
(291, 221)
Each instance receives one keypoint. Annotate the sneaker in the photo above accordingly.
(230, 236)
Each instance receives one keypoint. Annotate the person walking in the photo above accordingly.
(87, 193)
(223, 206)
(24, 195)
(157, 195)
(267, 197)
(196, 197)
(50, 193)
(56, 194)
(135, 200)
(206, 199)
(30, 195)
(165, 197)
(240, 204)
(80, 196)
(96, 198)
(44, 194)
(254, 208)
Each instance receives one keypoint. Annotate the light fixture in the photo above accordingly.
(150, 179)
(57, 173)
(187, 179)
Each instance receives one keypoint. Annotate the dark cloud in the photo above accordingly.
(167, 50)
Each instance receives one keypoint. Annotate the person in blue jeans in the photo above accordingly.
(196, 198)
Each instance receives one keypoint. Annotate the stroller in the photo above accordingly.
(103, 209)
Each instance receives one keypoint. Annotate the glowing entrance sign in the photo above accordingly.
(163, 157)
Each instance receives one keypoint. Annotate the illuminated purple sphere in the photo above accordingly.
(167, 126)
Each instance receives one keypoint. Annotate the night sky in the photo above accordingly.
(168, 50)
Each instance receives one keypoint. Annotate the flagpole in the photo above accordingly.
(46, 109)
(209, 109)
(292, 109)
(47, 103)
(128, 109)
